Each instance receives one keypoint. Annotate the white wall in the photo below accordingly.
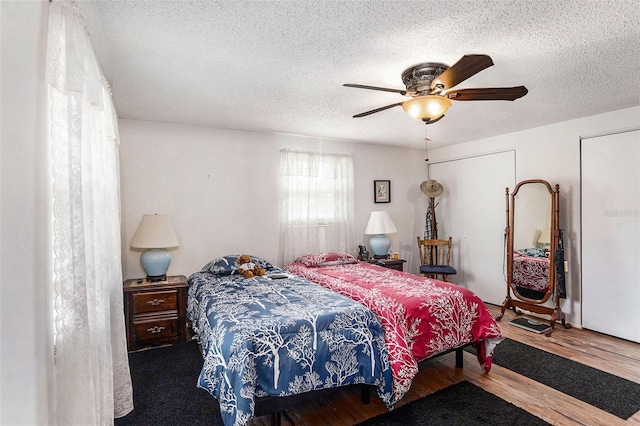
(220, 188)
(552, 153)
(25, 312)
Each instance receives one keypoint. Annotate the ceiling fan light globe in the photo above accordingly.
(430, 107)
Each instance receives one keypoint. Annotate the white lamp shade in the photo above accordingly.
(380, 223)
(545, 237)
(154, 231)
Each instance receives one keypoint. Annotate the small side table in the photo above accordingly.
(155, 312)
(398, 264)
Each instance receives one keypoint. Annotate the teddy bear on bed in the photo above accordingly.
(249, 269)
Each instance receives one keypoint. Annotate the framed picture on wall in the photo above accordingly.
(381, 191)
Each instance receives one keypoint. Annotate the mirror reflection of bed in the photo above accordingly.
(532, 216)
(531, 272)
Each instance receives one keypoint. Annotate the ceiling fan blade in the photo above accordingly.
(383, 89)
(488, 94)
(467, 66)
(364, 114)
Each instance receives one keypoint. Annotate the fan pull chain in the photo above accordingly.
(426, 142)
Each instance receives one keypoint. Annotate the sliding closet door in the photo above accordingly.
(611, 234)
(472, 211)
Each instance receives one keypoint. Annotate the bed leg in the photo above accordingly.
(276, 418)
(365, 396)
(459, 361)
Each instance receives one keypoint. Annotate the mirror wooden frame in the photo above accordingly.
(518, 300)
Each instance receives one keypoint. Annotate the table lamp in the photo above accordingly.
(545, 239)
(380, 223)
(156, 235)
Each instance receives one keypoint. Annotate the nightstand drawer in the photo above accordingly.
(155, 301)
(397, 264)
(156, 329)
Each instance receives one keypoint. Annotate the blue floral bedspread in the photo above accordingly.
(280, 337)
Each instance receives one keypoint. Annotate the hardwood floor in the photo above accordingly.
(615, 356)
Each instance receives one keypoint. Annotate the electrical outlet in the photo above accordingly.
(566, 266)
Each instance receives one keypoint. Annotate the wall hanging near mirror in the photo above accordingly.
(535, 251)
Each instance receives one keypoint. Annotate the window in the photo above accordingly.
(317, 210)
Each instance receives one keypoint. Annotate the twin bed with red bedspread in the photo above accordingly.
(421, 317)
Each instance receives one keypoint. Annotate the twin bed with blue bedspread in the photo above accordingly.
(275, 336)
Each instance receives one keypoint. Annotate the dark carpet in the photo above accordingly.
(613, 394)
(165, 392)
(459, 404)
(164, 389)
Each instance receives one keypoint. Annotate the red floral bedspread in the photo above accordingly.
(531, 272)
(421, 317)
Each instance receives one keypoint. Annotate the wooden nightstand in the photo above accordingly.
(398, 265)
(155, 313)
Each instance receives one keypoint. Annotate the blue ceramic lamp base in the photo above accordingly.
(155, 263)
(379, 246)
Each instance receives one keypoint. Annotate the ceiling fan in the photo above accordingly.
(430, 86)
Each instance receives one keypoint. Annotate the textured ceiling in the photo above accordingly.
(279, 66)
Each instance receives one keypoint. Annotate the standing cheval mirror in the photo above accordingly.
(533, 234)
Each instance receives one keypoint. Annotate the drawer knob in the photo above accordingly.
(155, 302)
(155, 329)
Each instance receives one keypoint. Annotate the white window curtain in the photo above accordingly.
(91, 379)
(317, 209)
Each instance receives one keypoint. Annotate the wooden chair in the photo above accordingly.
(435, 256)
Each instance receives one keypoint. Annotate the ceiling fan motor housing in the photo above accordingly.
(418, 78)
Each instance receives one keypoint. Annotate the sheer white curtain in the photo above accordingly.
(317, 210)
(92, 384)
